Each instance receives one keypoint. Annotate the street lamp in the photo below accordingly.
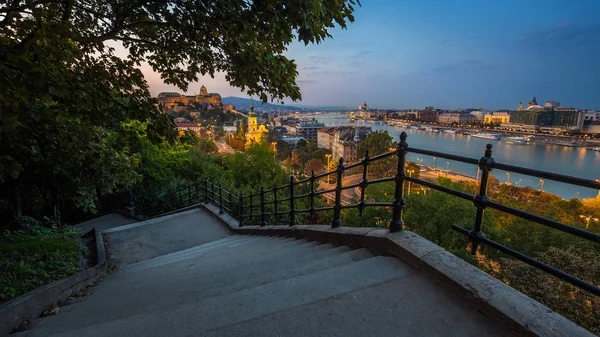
(541, 185)
(434, 163)
(328, 165)
(598, 181)
(447, 167)
(507, 178)
(587, 219)
(410, 175)
(518, 183)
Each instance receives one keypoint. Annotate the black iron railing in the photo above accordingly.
(243, 207)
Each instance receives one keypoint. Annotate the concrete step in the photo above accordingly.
(106, 308)
(233, 307)
(223, 249)
(217, 252)
(228, 242)
(202, 265)
(225, 274)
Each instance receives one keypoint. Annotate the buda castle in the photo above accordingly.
(170, 100)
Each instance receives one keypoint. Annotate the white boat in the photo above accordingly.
(450, 131)
(413, 127)
(485, 135)
(516, 140)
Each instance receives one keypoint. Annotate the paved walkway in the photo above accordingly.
(105, 222)
(147, 239)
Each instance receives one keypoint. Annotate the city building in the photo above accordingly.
(551, 104)
(456, 118)
(590, 115)
(182, 127)
(478, 116)
(255, 131)
(591, 127)
(342, 141)
(552, 120)
(171, 100)
(308, 130)
(429, 115)
(496, 117)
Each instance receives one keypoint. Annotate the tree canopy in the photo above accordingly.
(183, 39)
(74, 105)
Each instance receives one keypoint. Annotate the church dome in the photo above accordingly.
(533, 102)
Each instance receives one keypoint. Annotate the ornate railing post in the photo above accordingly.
(131, 207)
(189, 194)
(312, 195)
(241, 209)
(363, 183)
(214, 193)
(486, 165)
(131, 203)
(206, 190)
(292, 210)
(220, 199)
(337, 208)
(275, 200)
(250, 206)
(397, 224)
(263, 217)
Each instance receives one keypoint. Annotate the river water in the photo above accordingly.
(572, 161)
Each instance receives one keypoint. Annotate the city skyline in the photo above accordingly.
(402, 55)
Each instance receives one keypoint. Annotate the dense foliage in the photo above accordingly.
(65, 94)
(35, 255)
(79, 128)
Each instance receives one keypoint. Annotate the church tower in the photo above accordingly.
(255, 132)
(252, 120)
(520, 106)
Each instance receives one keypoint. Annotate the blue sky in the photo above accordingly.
(451, 54)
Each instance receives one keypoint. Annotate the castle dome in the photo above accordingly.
(203, 91)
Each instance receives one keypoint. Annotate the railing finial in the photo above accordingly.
(403, 137)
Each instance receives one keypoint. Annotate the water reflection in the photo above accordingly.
(577, 162)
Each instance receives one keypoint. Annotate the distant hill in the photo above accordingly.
(243, 104)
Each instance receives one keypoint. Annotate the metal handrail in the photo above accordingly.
(481, 200)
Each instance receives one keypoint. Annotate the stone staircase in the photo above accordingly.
(267, 286)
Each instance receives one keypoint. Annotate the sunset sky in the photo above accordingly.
(449, 54)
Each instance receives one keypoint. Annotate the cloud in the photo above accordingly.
(359, 58)
(307, 81)
(564, 35)
(318, 59)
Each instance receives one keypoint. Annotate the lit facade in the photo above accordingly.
(496, 118)
(255, 131)
(172, 100)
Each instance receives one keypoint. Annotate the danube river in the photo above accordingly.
(577, 162)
